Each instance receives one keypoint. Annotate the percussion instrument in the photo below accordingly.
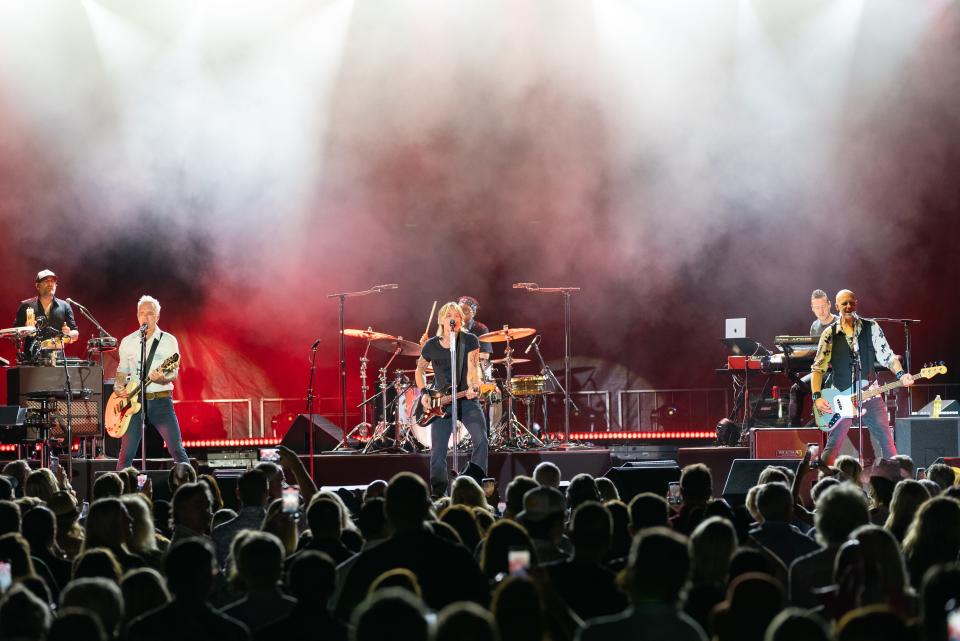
(527, 385)
(500, 361)
(507, 334)
(394, 344)
(368, 334)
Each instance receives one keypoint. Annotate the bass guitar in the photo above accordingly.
(119, 411)
(843, 403)
(439, 401)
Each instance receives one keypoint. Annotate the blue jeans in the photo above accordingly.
(875, 419)
(471, 415)
(163, 418)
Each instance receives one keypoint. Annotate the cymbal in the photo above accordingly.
(515, 361)
(426, 372)
(512, 333)
(11, 332)
(392, 344)
(368, 334)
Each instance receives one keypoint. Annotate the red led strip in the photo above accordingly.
(233, 442)
(8, 447)
(635, 436)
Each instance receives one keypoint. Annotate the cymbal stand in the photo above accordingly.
(363, 426)
(380, 431)
(342, 296)
(546, 371)
(508, 432)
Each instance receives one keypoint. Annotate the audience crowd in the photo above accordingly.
(872, 556)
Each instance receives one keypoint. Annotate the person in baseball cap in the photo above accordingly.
(544, 512)
(52, 317)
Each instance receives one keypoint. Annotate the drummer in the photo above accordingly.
(469, 305)
(52, 316)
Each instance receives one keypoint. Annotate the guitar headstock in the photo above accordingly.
(933, 369)
(171, 363)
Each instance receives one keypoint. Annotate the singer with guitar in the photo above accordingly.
(161, 347)
(846, 340)
(436, 351)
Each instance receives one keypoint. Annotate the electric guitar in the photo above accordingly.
(843, 403)
(439, 402)
(119, 411)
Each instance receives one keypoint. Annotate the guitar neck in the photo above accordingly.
(448, 399)
(883, 389)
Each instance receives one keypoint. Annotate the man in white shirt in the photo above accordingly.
(159, 388)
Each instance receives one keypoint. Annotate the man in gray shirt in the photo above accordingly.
(799, 391)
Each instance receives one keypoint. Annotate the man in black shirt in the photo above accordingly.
(57, 316)
(436, 351)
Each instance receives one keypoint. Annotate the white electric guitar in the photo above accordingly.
(843, 403)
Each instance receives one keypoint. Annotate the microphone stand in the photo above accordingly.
(567, 402)
(103, 334)
(313, 367)
(145, 415)
(69, 393)
(453, 401)
(342, 296)
(906, 351)
(546, 371)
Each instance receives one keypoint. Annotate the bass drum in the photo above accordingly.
(422, 434)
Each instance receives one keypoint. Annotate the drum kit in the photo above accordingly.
(396, 428)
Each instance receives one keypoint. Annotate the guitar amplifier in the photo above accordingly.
(87, 415)
(774, 443)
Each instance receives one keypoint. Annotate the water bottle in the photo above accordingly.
(937, 404)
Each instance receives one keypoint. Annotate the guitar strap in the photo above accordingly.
(146, 369)
(460, 356)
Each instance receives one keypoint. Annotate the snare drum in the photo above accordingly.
(527, 385)
(422, 434)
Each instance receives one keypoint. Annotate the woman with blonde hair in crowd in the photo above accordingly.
(281, 525)
(41, 484)
(933, 537)
(144, 540)
(349, 533)
(110, 526)
(908, 496)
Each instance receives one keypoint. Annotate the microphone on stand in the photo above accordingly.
(143, 328)
(525, 286)
(387, 286)
(315, 345)
(532, 343)
(73, 302)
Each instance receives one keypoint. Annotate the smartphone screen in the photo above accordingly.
(269, 454)
(54, 464)
(953, 625)
(6, 576)
(291, 500)
(813, 449)
(489, 486)
(141, 481)
(518, 561)
(673, 495)
(921, 473)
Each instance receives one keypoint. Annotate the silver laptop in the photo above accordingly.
(736, 328)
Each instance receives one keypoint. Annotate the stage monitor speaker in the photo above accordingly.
(645, 476)
(12, 415)
(948, 408)
(927, 439)
(326, 435)
(744, 474)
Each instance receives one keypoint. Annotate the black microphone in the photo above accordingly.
(143, 328)
(532, 343)
(315, 345)
(73, 302)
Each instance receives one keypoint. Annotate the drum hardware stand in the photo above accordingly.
(364, 425)
(508, 432)
(383, 425)
(546, 371)
(342, 296)
(567, 402)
